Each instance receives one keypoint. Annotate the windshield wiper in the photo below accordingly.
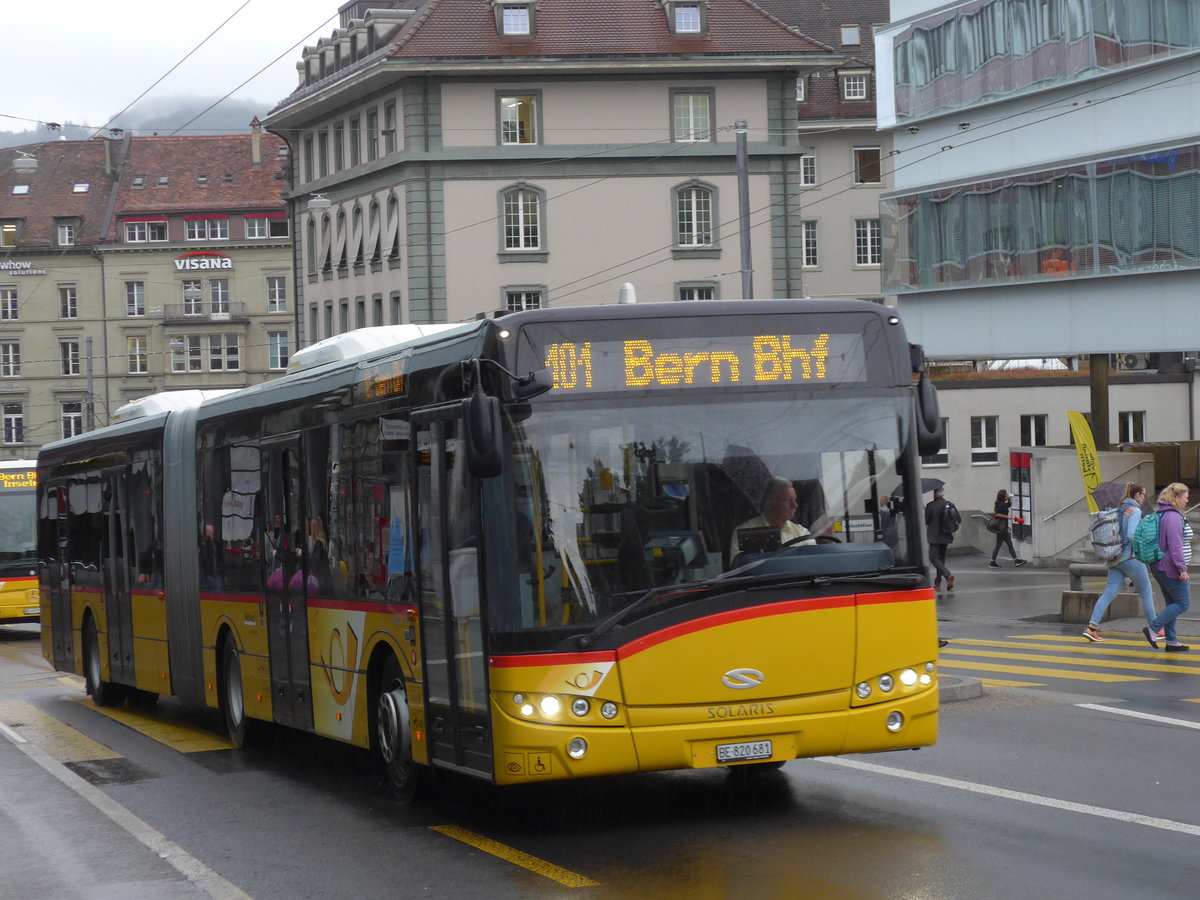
(584, 641)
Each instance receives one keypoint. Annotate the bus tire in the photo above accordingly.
(103, 693)
(242, 730)
(392, 736)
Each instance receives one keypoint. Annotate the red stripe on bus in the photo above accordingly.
(210, 597)
(737, 615)
(553, 659)
(896, 597)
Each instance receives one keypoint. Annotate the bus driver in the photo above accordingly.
(778, 508)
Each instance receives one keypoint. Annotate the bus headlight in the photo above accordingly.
(863, 690)
(908, 677)
(580, 706)
(550, 706)
(886, 683)
(608, 709)
(577, 748)
(895, 721)
(527, 709)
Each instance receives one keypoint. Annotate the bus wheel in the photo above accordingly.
(393, 736)
(104, 693)
(242, 731)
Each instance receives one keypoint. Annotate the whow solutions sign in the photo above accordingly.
(201, 260)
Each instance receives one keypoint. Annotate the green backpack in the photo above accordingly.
(1145, 540)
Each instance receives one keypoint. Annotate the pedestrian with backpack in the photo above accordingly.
(1175, 542)
(1124, 565)
(941, 521)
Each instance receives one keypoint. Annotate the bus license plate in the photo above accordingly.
(744, 751)
(33, 611)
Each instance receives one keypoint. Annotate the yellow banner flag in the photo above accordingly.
(1089, 463)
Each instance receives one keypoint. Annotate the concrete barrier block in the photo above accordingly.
(1077, 606)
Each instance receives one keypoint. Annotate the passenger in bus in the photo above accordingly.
(212, 564)
(778, 507)
(318, 552)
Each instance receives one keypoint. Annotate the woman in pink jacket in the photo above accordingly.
(1175, 539)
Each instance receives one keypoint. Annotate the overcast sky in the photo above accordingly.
(83, 61)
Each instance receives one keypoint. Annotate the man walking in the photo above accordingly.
(941, 521)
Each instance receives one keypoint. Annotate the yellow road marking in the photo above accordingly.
(524, 860)
(1095, 662)
(181, 737)
(1000, 682)
(1044, 673)
(60, 740)
(1108, 648)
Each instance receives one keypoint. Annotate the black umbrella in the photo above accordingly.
(927, 485)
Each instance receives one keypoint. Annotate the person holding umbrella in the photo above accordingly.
(941, 522)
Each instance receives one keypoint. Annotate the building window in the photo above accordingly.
(81, 187)
(372, 134)
(519, 119)
(389, 127)
(691, 116)
(14, 424)
(808, 170)
(694, 217)
(68, 356)
(137, 352)
(355, 141)
(193, 297)
(139, 180)
(207, 229)
(141, 232)
(10, 359)
(260, 227)
(1131, 427)
(801, 89)
(135, 298)
(696, 292)
(339, 152)
(343, 316)
(224, 352)
(8, 233)
(941, 458)
(322, 153)
(9, 305)
(868, 251)
(218, 296)
(515, 19)
(809, 239)
(397, 309)
(277, 349)
(20, 189)
(984, 447)
(867, 166)
(66, 235)
(850, 36)
(1033, 430)
(185, 353)
(522, 228)
(377, 309)
(68, 302)
(517, 300)
(854, 86)
(686, 17)
(71, 415)
(276, 293)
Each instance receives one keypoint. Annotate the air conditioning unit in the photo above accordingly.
(1130, 361)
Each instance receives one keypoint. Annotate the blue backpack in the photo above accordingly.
(1145, 540)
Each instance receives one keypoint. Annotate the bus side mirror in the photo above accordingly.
(930, 437)
(482, 434)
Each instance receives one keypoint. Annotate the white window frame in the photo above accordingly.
(277, 350)
(218, 295)
(135, 299)
(71, 416)
(68, 356)
(522, 219)
(868, 244)
(224, 352)
(276, 293)
(855, 86)
(207, 230)
(1131, 426)
(519, 299)
(186, 355)
(1035, 429)
(985, 443)
(510, 120)
(66, 235)
(10, 304)
(68, 301)
(697, 292)
(137, 354)
(14, 423)
(808, 170)
(810, 246)
(691, 116)
(10, 359)
(695, 216)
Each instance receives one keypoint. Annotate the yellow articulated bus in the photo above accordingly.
(561, 543)
(18, 542)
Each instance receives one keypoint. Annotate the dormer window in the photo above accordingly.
(514, 18)
(687, 17)
(850, 36)
(81, 187)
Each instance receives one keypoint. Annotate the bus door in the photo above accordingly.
(450, 592)
(287, 622)
(114, 570)
(56, 587)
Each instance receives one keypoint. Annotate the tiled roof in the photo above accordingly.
(466, 29)
(182, 160)
(60, 166)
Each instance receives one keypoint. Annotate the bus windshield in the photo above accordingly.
(18, 531)
(620, 496)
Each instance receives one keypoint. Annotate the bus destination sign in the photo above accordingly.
(711, 361)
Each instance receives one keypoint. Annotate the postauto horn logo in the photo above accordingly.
(742, 679)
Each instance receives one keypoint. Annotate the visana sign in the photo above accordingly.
(203, 259)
